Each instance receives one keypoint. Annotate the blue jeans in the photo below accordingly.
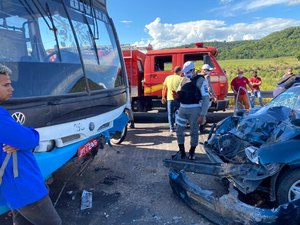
(258, 95)
(172, 105)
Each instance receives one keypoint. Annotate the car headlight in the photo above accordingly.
(252, 154)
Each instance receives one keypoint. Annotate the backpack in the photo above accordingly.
(189, 92)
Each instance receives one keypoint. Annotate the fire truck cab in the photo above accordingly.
(147, 72)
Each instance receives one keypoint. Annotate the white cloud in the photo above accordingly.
(171, 35)
(256, 4)
(246, 5)
(126, 21)
(293, 2)
(225, 1)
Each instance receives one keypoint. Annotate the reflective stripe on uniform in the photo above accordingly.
(180, 121)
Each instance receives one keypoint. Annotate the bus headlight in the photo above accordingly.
(45, 146)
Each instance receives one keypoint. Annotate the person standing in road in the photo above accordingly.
(255, 81)
(236, 83)
(171, 84)
(205, 71)
(22, 186)
(193, 96)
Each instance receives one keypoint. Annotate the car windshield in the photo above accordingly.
(289, 98)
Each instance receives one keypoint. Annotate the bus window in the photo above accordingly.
(27, 41)
(66, 51)
(99, 52)
(108, 53)
(50, 56)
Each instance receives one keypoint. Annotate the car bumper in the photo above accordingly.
(228, 209)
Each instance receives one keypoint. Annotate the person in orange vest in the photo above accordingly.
(236, 83)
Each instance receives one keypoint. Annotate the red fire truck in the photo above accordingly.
(147, 71)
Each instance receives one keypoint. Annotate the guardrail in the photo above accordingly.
(264, 94)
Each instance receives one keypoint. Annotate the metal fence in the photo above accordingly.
(264, 94)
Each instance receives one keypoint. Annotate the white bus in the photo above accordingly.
(68, 75)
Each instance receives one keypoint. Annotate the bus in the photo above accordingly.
(68, 76)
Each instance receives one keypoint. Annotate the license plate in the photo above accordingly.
(87, 147)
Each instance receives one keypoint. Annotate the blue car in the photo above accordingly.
(255, 155)
(265, 143)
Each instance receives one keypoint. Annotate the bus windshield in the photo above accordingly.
(55, 50)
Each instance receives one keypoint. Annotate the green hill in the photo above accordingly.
(270, 56)
(277, 44)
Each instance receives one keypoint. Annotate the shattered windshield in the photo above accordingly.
(290, 99)
(258, 126)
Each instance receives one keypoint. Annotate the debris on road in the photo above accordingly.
(86, 200)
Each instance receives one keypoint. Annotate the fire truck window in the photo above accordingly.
(140, 66)
(207, 60)
(163, 63)
(199, 59)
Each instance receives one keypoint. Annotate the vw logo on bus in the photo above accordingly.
(19, 117)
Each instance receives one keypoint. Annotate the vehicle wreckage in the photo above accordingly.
(255, 156)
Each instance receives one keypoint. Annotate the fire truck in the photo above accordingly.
(148, 69)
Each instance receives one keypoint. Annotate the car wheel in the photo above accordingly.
(119, 137)
(288, 188)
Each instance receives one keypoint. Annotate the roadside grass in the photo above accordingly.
(270, 70)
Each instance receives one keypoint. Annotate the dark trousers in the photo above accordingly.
(41, 212)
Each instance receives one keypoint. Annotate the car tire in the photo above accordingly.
(119, 137)
(288, 188)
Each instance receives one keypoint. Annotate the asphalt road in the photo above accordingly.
(128, 182)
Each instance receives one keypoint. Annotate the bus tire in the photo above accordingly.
(119, 137)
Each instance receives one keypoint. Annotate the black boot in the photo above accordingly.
(192, 153)
(181, 153)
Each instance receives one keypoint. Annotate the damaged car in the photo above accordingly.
(256, 154)
(268, 141)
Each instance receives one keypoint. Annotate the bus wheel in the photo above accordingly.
(119, 137)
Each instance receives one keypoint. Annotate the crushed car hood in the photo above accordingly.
(267, 125)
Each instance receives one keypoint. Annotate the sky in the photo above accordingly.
(170, 23)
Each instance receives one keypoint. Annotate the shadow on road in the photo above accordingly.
(162, 117)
